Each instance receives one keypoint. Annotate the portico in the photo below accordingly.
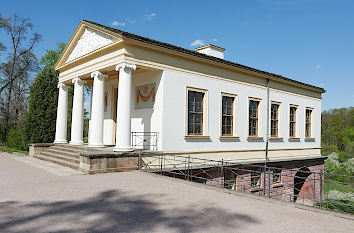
(96, 127)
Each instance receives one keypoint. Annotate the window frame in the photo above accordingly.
(204, 121)
(308, 135)
(234, 116)
(280, 177)
(278, 119)
(296, 107)
(259, 118)
(259, 176)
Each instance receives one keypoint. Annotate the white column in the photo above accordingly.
(62, 114)
(77, 124)
(123, 135)
(97, 111)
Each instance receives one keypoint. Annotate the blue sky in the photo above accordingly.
(311, 41)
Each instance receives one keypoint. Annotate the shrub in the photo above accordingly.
(16, 139)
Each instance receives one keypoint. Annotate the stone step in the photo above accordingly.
(64, 153)
(61, 157)
(66, 149)
(57, 161)
(71, 148)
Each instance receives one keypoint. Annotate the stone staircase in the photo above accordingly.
(62, 154)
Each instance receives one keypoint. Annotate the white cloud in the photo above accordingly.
(215, 40)
(317, 67)
(116, 23)
(150, 16)
(197, 43)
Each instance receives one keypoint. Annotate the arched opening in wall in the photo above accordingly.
(302, 189)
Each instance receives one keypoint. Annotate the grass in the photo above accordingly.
(337, 186)
(12, 150)
(339, 205)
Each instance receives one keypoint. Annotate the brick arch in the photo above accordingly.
(301, 187)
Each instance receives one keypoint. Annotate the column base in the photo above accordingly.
(118, 149)
(76, 143)
(60, 142)
(96, 146)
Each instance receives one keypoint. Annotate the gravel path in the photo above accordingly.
(35, 200)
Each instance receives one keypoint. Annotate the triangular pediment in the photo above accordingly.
(84, 41)
(89, 41)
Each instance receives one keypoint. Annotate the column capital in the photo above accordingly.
(62, 85)
(125, 65)
(78, 81)
(98, 74)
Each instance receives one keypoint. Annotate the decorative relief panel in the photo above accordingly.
(89, 41)
(145, 96)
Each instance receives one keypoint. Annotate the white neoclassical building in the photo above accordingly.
(181, 101)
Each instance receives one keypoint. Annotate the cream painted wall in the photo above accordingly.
(150, 119)
(109, 125)
(174, 115)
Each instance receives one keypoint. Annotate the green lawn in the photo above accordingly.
(341, 205)
(336, 186)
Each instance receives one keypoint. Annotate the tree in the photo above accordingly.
(40, 120)
(16, 70)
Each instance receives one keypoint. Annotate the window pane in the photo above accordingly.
(190, 129)
(198, 128)
(228, 130)
(198, 118)
(190, 119)
(198, 97)
(190, 106)
(228, 120)
(229, 110)
(198, 107)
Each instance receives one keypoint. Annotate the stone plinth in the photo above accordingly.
(102, 162)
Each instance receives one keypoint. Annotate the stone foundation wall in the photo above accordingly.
(305, 173)
(98, 162)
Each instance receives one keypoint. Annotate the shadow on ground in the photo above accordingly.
(113, 211)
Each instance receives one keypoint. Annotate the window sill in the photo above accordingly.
(229, 137)
(253, 138)
(256, 189)
(196, 137)
(294, 139)
(309, 139)
(277, 185)
(275, 139)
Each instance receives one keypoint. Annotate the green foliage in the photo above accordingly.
(16, 139)
(338, 137)
(11, 150)
(39, 122)
(51, 56)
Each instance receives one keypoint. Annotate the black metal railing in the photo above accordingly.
(145, 140)
(315, 188)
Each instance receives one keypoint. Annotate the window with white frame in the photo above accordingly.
(292, 121)
(196, 112)
(274, 120)
(253, 120)
(308, 122)
(228, 115)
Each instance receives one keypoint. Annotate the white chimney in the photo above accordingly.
(211, 50)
